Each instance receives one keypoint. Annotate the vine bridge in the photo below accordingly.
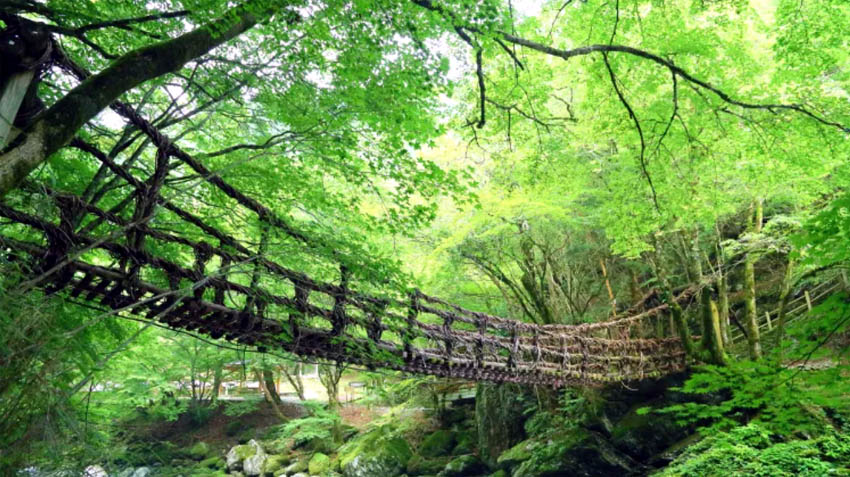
(156, 257)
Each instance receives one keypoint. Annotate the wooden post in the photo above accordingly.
(808, 300)
(769, 324)
(13, 95)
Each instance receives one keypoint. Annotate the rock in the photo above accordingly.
(499, 413)
(199, 451)
(644, 435)
(253, 466)
(145, 471)
(465, 443)
(318, 463)
(94, 471)
(274, 463)
(247, 457)
(516, 454)
(463, 466)
(418, 465)
(437, 443)
(296, 467)
(373, 456)
(578, 453)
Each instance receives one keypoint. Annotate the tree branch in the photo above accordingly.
(58, 125)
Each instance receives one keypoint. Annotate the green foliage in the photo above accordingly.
(779, 399)
(241, 408)
(753, 451)
(319, 425)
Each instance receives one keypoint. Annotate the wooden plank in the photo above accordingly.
(13, 95)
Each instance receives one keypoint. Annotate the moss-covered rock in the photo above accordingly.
(438, 443)
(516, 454)
(577, 453)
(275, 462)
(299, 465)
(375, 454)
(418, 465)
(463, 466)
(248, 458)
(465, 443)
(644, 434)
(319, 463)
(199, 451)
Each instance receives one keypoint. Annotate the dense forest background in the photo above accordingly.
(560, 162)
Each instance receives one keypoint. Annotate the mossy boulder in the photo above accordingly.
(199, 451)
(319, 463)
(296, 467)
(438, 443)
(374, 454)
(463, 466)
(643, 434)
(418, 465)
(248, 458)
(578, 453)
(274, 463)
(465, 443)
(516, 454)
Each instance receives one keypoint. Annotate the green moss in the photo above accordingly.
(199, 451)
(275, 462)
(418, 465)
(212, 463)
(319, 463)
(463, 466)
(377, 452)
(244, 451)
(437, 444)
(516, 454)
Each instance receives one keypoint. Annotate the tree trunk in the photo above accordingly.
(216, 383)
(784, 296)
(266, 383)
(753, 339)
(677, 317)
(329, 375)
(682, 327)
(723, 306)
(712, 341)
(295, 380)
(611, 297)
